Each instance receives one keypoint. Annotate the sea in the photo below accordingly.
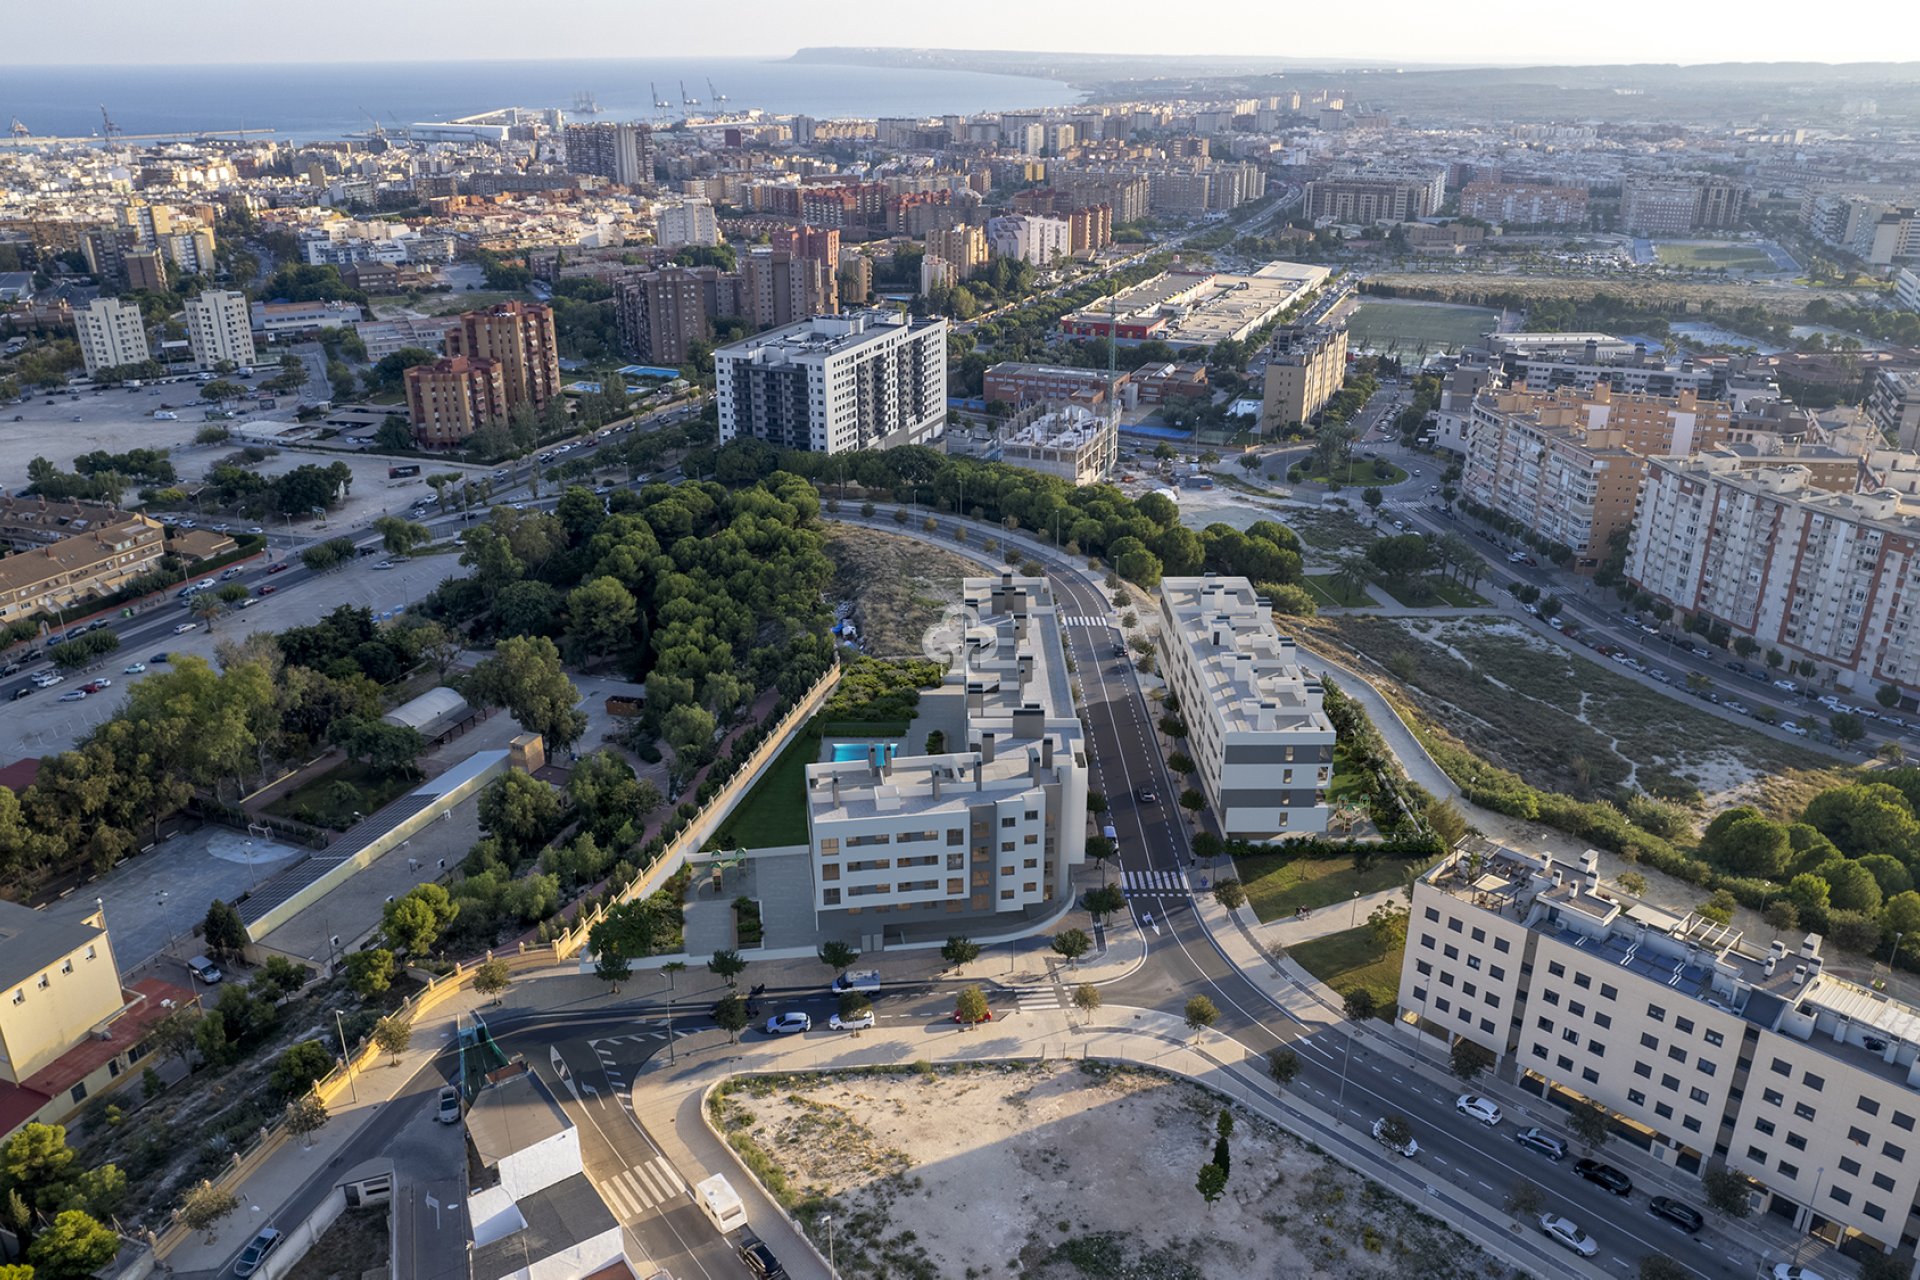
(303, 103)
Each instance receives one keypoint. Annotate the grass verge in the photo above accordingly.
(1351, 958)
(774, 813)
(332, 798)
(1277, 885)
(1325, 591)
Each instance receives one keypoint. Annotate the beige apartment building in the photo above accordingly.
(1567, 464)
(1256, 727)
(220, 329)
(112, 333)
(1817, 574)
(1306, 367)
(964, 247)
(518, 337)
(66, 552)
(450, 399)
(993, 824)
(1702, 1046)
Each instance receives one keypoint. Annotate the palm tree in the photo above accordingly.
(1352, 577)
(206, 607)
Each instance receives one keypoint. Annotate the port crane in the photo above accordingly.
(714, 95)
(685, 99)
(108, 129)
(659, 102)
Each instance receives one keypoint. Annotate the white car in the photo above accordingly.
(1568, 1233)
(74, 695)
(185, 627)
(384, 564)
(786, 1024)
(1409, 1148)
(1469, 1104)
(859, 1022)
(1788, 1271)
(134, 669)
(46, 681)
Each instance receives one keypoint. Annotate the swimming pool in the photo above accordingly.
(844, 751)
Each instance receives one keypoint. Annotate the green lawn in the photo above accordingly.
(1419, 327)
(1439, 591)
(1734, 257)
(1277, 884)
(1350, 959)
(1360, 474)
(1345, 782)
(1322, 588)
(315, 801)
(774, 813)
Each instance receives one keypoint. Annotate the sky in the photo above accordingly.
(1379, 31)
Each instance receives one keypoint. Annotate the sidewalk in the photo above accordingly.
(668, 1099)
(1317, 1006)
(284, 1175)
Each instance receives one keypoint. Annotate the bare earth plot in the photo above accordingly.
(1567, 724)
(898, 587)
(1063, 1172)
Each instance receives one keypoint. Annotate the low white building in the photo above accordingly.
(1031, 237)
(994, 823)
(1906, 287)
(1256, 728)
(1077, 444)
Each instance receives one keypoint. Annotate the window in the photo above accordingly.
(1582, 981)
(45, 982)
(1704, 1067)
(1551, 997)
(1683, 1025)
(1676, 1054)
(1715, 1039)
(1756, 1155)
(1545, 1024)
(1780, 1067)
(1813, 1082)
(1763, 1126)
(1502, 946)
(1446, 979)
(1608, 992)
(1662, 1110)
(1670, 1082)
(79, 1091)
(1564, 1062)
(20, 996)
(1849, 1166)
(1873, 1211)
(1840, 1195)
(1602, 1021)
(1892, 1152)
(1642, 1070)
(1590, 1075)
(1649, 1041)
(1595, 1048)
(1450, 951)
(1577, 1009)
(1571, 1035)
(1859, 1137)
(1636, 1097)
(1802, 1110)
(1479, 935)
(1796, 1141)
(1772, 1097)
(1493, 1001)
(1539, 1051)
(1431, 914)
(1868, 1105)
(1789, 1170)
(1426, 941)
(1473, 962)
(1883, 1182)
(1468, 989)
(1486, 1025)
(1901, 1120)
(1496, 972)
(1557, 969)
(1453, 926)
(1655, 1012)
(1423, 968)
(1691, 1124)
(1698, 1095)
(66, 966)
(92, 952)
(1442, 1004)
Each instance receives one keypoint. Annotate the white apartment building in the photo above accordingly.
(685, 222)
(219, 328)
(861, 380)
(1702, 1046)
(111, 334)
(1906, 287)
(1816, 574)
(1893, 403)
(1256, 728)
(990, 826)
(1079, 445)
(1031, 238)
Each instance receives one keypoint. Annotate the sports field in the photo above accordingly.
(1711, 257)
(1418, 328)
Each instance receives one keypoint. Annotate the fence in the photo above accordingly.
(571, 941)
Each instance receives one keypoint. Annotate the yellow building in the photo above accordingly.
(64, 561)
(67, 1028)
(1306, 367)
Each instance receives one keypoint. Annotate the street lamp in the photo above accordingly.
(827, 1220)
(1353, 921)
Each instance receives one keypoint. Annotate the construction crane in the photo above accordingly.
(685, 100)
(107, 127)
(377, 131)
(17, 129)
(716, 97)
(658, 101)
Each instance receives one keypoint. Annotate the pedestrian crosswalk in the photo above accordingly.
(1153, 884)
(1083, 620)
(1036, 998)
(632, 1192)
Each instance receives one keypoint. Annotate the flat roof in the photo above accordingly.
(1249, 671)
(556, 1218)
(512, 1115)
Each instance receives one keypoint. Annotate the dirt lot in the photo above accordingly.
(1570, 725)
(1782, 299)
(352, 1246)
(898, 587)
(1062, 1172)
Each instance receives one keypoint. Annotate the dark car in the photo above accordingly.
(1604, 1175)
(24, 691)
(158, 657)
(760, 1261)
(1683, 1216)
(254, 1253)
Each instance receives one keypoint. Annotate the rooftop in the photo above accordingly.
(512, 1114)
(31, 941)
(1251, 672)
(555, 1219)
(823, 336)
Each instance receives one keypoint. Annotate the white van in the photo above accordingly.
(865, 981)
(165, 415)
(205, 970)
(721, 1203)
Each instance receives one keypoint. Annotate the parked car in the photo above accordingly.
(74, 695)
(158, 657)
(1409, 1148)
(185, 627)
(859, 1022)
(204, 970)
(281, 567)
(785, 1024)
(1468, 1104)
(1604, 1175)
(761, 1263)
(1543, 1142)
(46, 680)
(448, 1110)
(1787, 1271)
(1683, 1216)
(134, 669)
(1567, 1232)
(256, 1251)
(865, 980)
(268, 589)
